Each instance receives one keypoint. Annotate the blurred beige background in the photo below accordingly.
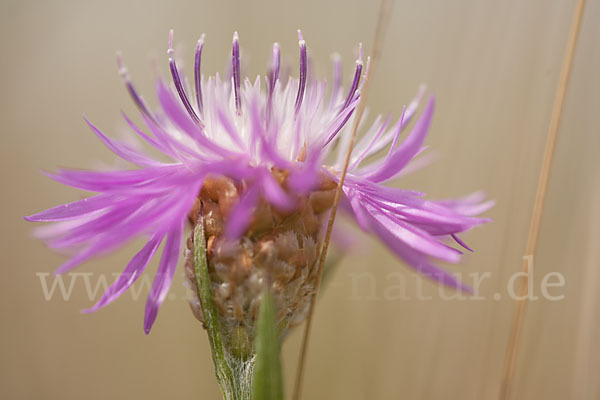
(494, 67)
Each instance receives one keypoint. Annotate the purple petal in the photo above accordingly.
(389, 193)
(98, 224)
(235, 71)
(357, 160)
(122, 150)
(434, 219)
(116, 228)
(241, 215)
(305, 176)
(178, 85)
(164, 275)
(274, 193)
(459, 241)
(173, 146)
(411, 236)
(104, 181)
(73, 210)
(272, 77)
(181, 119)
(415, 259)
(407, 149)
(430, 216)
(231, 130)
(162, 147)
(106, 235)
(355, 81)
(303, 67)
(197, 75)
(357, 208)
(132, 272)
(340, 121)
(407, 113)
(472, 204)
(137, 99)
(268, 148)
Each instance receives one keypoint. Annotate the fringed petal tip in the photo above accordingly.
(150, 317)
(464, 288)
(89, 310)
(461, 242)
(152, 307)
(488, 205)
(31, 218)
(439, 276)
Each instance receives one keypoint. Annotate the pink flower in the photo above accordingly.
(235, 129)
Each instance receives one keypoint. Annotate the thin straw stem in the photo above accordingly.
(510, 357)
(384, 12)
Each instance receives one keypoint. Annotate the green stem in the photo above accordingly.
(233, 373)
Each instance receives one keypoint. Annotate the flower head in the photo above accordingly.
(261, 166)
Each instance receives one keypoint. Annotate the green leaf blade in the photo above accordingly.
(268, 379)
